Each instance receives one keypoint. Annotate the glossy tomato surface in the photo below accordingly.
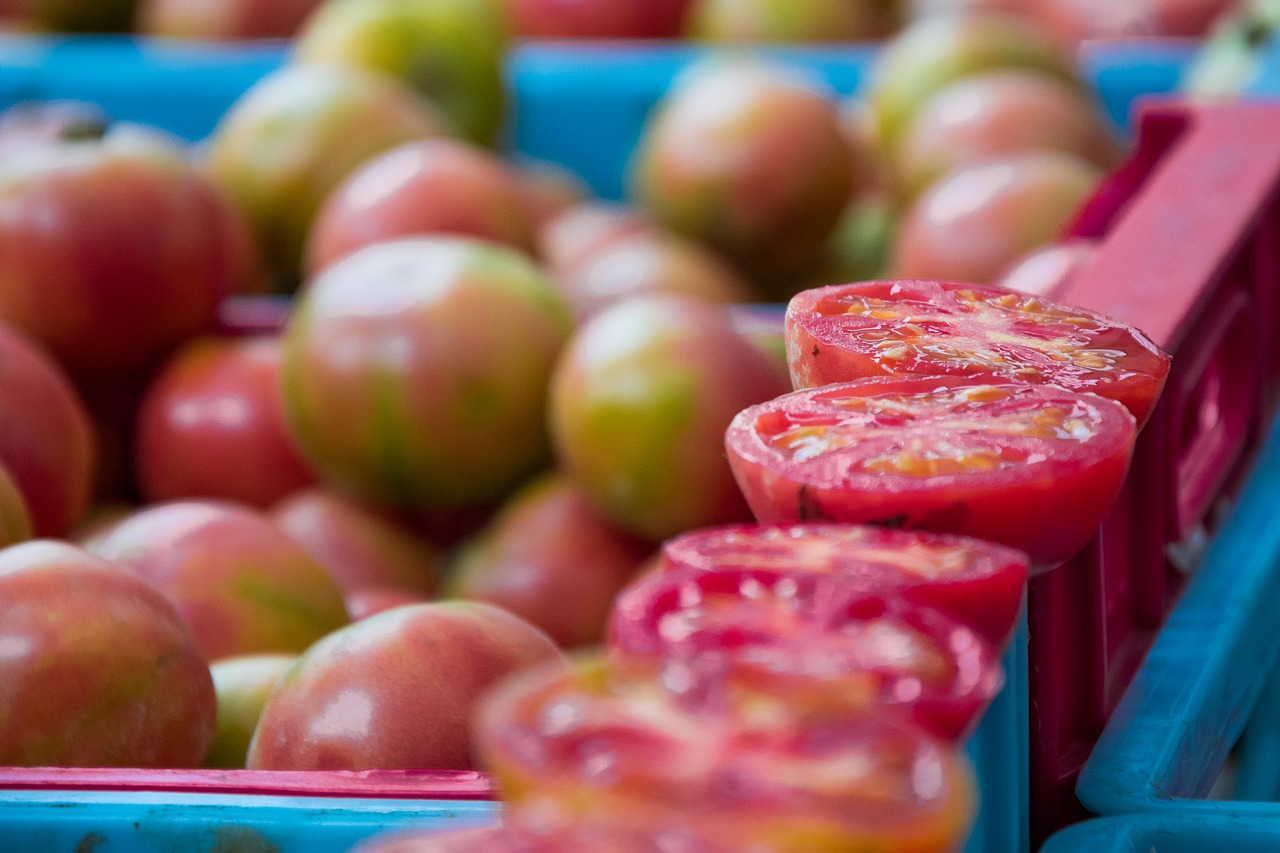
(935, 328)
(976, 582)
(589, 742)
(98, 669)
(1035, 467)
(211, 425)
(813, 640)
(46, 442)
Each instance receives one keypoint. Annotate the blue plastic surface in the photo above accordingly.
(1169, 738)
(582, 107)
(1176, 833)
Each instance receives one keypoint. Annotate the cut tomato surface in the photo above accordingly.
(976, 582)
(1034, 467)
(815, 641)
(934, 328)
(589, 742)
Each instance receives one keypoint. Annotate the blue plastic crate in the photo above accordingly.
(1211, 670)
(1180, 833)
(604, 96)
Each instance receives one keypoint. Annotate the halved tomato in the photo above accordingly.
(1034, 467)
(588, 742)
(976, 582)
(818, 642)
(935, 328)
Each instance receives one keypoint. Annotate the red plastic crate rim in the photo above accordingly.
(1189, 252)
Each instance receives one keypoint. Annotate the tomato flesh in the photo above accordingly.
(1033, 467)
(817, 642)
(976, 582)
(592, 742)
(934, 328)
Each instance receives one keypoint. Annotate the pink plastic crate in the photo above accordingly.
(1190, 253)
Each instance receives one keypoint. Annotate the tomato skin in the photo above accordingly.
(639, 402)
(978, 583)
(427, 186)
(820, 642)
(833, 336)
(416, 371)
(211, 425)
(551, 558)
(46, 441)
(762, 775)
(98, 669)
(112, 295)
(15, 521)
(1045, 497)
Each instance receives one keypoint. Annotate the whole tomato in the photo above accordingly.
(416, 370)
(452, 51)
(114, 251)
(362, 546)
(394, 691)
(639, 403)
(211, 425)
(552, 559)
(295, 135)
(429, 186)
(98, 669)
(46, 442)
(986, 115)
(976, 221)
(240, 584)
(750, 157)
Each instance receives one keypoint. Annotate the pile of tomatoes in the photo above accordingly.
(786, 559)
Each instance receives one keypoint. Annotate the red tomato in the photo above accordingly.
(427, 186)
(590, 743)
(394, 691)
(1035, 467)
(97, 669)
(551, 558)
(46, 442)
(211, 425)
(926, 328)
(814, 641)
(597, 19)
(976, 582)
(111, 295)
(1049, 269)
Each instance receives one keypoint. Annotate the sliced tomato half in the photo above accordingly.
(814, 641)
(932, 328)
(1034, 467)
(978, 583)
(590, 743)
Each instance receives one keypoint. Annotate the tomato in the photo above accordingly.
(1049, 269)
(97, 668)
(551, 558)
(395, 691)
(750, 157)
(574, 235)
(976, 582)
(920, 328)
(817, 641)
(597, 19)
(640, 399)
(416, 371)
(211, 425)
(222, 19)
(977, 220)
(782, 21)
(998, 112)
(1035, 467)
(428, 186)
(46, 442)
(240, 584)
(590, 743)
